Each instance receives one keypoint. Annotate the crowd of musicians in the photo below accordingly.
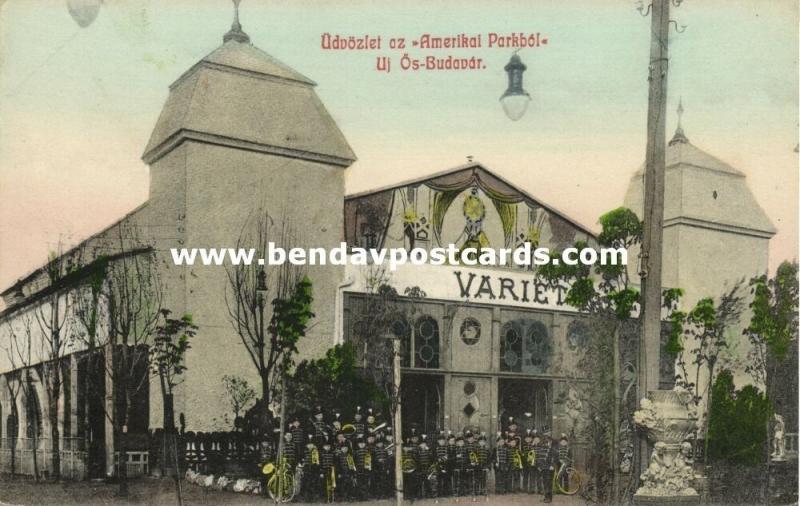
(337, 460)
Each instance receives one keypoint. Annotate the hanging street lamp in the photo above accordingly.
(515, 99)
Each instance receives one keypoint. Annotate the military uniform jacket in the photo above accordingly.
(320, 430)
(289, 455)
(564, 454)
(442, 456)
(360, 456)
(423, 460)
(542, 456)
(327, 459)
(308, 455)
(342, 462)
(500, 458)
(461, 458)
(483, 455)
(298, 439)
(526, 448)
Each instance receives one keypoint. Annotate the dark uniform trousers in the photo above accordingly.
(501, 474)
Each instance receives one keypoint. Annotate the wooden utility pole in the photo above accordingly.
(652, 239)
(398, 423)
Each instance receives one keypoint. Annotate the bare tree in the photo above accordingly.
(19, 350)
(129, 299)
(13, 387)
(250, 311)
(52, 317)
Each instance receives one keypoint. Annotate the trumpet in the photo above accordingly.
(351, 464)
(531, 458)
(473, 458)
(368, 462)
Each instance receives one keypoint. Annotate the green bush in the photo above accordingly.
(738, 422)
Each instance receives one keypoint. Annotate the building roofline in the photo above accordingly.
(471, 166)
(32, 274)
(68, 280)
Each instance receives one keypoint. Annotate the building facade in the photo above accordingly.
(242, 134)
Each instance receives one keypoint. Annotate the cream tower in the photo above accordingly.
(240, 132)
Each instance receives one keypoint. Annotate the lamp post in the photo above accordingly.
(515, 99)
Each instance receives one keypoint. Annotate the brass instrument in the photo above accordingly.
(473, 458)
(368, 461)
(531, 458)
(516, 459)
(314, 456)
(377, 428)
(433, 471)
(409, 464)
(348, 429)
(330, 484)
(351, 464)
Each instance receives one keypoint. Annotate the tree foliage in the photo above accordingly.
(773, 324)
(738, 421)
(333, 381)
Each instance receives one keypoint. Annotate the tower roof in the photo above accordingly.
(703, 190)
(240, 96)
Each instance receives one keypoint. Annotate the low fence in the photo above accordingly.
(231, 453)
(18, 457)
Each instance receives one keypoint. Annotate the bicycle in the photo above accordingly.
(567, 480)
(282, 485)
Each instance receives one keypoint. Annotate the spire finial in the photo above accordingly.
(679, 135)
(236, 33)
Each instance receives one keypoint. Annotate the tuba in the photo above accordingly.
(348, 429)
(516, 459)
(531, 458)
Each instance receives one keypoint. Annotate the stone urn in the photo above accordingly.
(668, 417)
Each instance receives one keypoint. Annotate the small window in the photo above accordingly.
(470, 331)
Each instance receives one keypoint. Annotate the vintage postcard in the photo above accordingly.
(377, 252)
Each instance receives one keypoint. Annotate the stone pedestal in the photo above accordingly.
(668, 417)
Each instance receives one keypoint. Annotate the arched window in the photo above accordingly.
(537, 348)
(511, 347)
(426, 343)
(33, 413)
(525, 346)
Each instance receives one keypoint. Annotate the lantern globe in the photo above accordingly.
(515, 100)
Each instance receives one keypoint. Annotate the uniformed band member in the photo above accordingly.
(345, 464)
(311, 469)
(548, 467)
(529, 460)
(564, 459)
(327, 467)
(500, 463)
